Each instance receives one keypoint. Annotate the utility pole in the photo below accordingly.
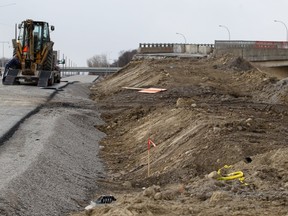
(3, 42)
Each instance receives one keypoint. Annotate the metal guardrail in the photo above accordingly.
(69, 71)
(102, 71)
(224, 44)
(91, 69)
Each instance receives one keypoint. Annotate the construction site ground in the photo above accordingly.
(214, 112)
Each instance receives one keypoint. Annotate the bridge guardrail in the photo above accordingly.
(253, 50)
(146, 48)
(102, 71)
(222, 44)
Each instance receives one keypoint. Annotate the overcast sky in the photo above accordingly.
(91, 27)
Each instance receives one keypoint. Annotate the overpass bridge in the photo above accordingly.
(264, 53)
(100, 71)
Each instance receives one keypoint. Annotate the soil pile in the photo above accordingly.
(214, 112)
(236, 64)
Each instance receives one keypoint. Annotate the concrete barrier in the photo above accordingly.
(192, 48)
(179, 48)
(155, 48)
(254, 50)
(204, 49)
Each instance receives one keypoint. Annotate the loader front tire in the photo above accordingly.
(48, 64)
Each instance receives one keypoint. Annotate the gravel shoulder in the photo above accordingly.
(50, 164)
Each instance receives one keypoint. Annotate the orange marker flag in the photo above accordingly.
(150, 142)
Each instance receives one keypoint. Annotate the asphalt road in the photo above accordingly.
(20, 101)
(49, 148)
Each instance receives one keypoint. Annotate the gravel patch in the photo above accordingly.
(50, 165)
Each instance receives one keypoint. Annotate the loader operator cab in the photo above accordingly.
(40, 34)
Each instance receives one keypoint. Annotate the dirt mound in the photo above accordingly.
(231, 63)
(240, 64)
(277, 93)
(213, 113)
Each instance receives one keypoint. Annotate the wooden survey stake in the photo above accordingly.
(149, 144)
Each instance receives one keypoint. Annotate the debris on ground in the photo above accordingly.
(104, 199)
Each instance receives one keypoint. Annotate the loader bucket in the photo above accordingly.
(44, 78)
(9, 77)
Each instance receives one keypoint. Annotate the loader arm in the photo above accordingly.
(47, 47)
(31, 50)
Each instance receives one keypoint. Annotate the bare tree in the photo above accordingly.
(125, 57)
(98, 61)
(101, 60)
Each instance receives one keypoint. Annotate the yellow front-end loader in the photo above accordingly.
(34, 60)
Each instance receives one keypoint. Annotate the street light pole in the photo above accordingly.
(279, 21)
(3, 42)
(222, 26)
(182, 36)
